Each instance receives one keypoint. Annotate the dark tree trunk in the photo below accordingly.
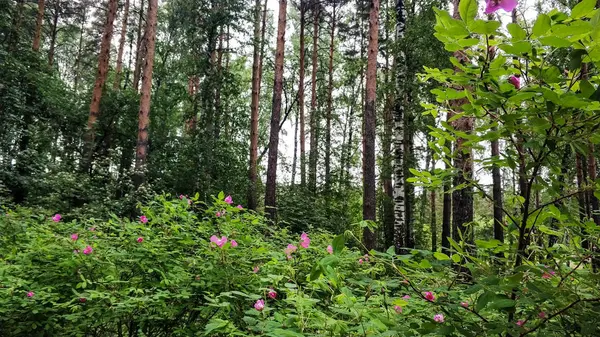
(301, 95)
(38, 26)
(329, 108)
(433, 217)
(314, 146)
(270, 195)
(54, 32)
(497, 194)
(446, 215)
(139, 52)
(119, 68)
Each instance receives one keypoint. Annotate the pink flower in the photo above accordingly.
(255, 269)
(429, 296)
(240, 207)
(74, 237)
(88, 250)
(272, 294)
(546, 276)
(228, 199)
(143, 219)
(520, 322)
(289, 250)
(366, 256)
(542, 315)
(93, 229)
(234, 243)
(259, 305)
(406, 297)
(140, 239)
(181, 196)
(516, 81)
(439, 318)
(219, 242)
(30, 294)
(330, 249)
(218, 214)
(82, 299)
(552, 272)
(304, 240)
(398, 309)
(360, 261)
(464, 304)
(494, 5)
(56, 217)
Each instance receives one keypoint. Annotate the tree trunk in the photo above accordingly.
(38, 26)
(497, 194)
(301, 95)
(79, 51)
(400, 225)
(254, 105)
(314, 146)
(446, 214)
(119, 68)
(433, 217)
(386, 144)
(103, 58)
(295, 159)
(594, 207)
(139, 53)
(219, 80)
(54, 32)
(144, 114)
(270, 195)
(369, 127)
(329, 108)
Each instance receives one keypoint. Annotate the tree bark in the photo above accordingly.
(139, 53)
(369, 127)
(301, 95)
(329, 107)
(433, 217)
(400, 225)
(386, 144)
(270, 195)
(446, 213)
(254, 105)
(119, 68)
(314, 146)
(54, 32)
(144, 114)
(497, 194)
(38, 26)
(103, 58)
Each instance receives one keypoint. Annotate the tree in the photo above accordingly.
(314, 146)
(369, 126)
(144, 115)
(270, 195)
(119, 67)
(139, 52)
(38, 26)
(329, 105)
(301, 75)
(103, 58)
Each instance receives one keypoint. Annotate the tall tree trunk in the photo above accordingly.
(38, 26)
(497, 194)
(446, 214)
(433, 217)
(144, 114)
(295, 159)
(301, 95)
(386, 144)
(254, 105)
(369, 127)
(119, 68)
(17, 22)
(314, 146)
(270, 194)
(218, 108)
(103, 58)
(54, 32)
(594, 207)
(400, 225)
(79, 52)
(139, 53)
(329, 108)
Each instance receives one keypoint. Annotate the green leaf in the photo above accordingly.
(541, 25)
(221, 195)
(424, 264)
(483, 300)
(215, 324)
(316, 271)
(338, 244)
(484, 27)
(516, 31)
(555, 41)
(467, 10)
(441, 256)
(456, 258)
(487, 244)
(584, 8)
(501, 303)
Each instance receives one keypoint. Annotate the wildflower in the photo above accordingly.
(218, 214)
(516, 81)
(429, 296)
(74, 237)
(546, 276)
(464, 304)
(143, 219)
(406, 297)
(82, 299)
(439, 318)
(494, 5)
(93, 229)
(330, 249)
(88, 250)
(366, 257)
(234, 243)
(255, 269)
(542, 315)
(259, 305)
(228, 199)
(289, 250)
(240, 207)
(56, 217)
(304, 240)
(272, 294)
(398, 309)
(140, 239)
(360, 261)
(520, 322)
(219, 242)
(30, 294)
(181, 196)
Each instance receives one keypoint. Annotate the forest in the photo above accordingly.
(305, 168)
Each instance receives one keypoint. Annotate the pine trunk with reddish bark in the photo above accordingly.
(270, 194)
(369, 127)
(38, 26)
(119, 67)
(146, 91)
(103, 58)
(301, 95)
(139, 53)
